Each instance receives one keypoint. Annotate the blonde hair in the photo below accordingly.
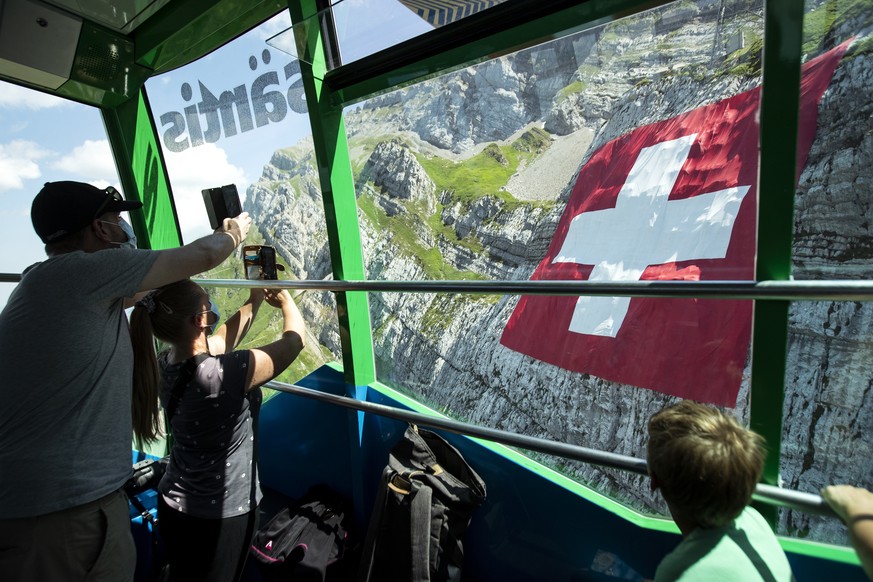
(161, 314)
(705, 463)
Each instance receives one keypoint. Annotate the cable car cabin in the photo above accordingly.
(527, 225)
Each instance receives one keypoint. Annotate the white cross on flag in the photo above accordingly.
(674, 200)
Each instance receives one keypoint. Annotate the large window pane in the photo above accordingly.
(32, 152)
(480, 174)
(468, 176)
(828, 409)
(237, 117)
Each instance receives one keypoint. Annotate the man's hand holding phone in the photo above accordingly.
(237, 228)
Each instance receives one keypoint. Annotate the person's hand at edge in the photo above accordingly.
(854, 505)
(848, 502)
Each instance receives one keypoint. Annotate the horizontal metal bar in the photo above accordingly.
(805, 502)
(773, 290)
(766, 290)
(836, 290)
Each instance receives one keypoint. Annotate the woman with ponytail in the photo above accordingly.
(209, 495)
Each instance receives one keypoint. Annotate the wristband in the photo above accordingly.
(232, 237)
(861, 517)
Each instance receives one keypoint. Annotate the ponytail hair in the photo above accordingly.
(161, 314)
(146, 376)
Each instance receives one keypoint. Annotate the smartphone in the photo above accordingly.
(221, 202)
(268, 263)
(252, 261)
(260, 262)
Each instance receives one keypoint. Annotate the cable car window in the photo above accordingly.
(602, 156)
(576, 160)
(33, 151)
(238, 116)
(828, 408)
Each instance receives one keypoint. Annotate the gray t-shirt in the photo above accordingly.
(212, 473)
(65, 352)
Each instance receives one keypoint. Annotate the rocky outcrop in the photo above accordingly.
(395, 172)
(445, 347)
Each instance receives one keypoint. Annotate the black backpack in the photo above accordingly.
(426, 498)
(308, 542)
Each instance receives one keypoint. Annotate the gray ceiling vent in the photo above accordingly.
(37, 42)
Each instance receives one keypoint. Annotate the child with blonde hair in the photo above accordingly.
(706, 466)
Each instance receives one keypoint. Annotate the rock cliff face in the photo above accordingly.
(602, 83)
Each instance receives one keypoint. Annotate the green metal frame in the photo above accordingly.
(780, 105)
(164, 43)
(340, 204)
(133, 138)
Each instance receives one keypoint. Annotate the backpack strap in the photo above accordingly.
(421, 497)
(152, 524)
(419, 531)
(186, 374)
(368, 553)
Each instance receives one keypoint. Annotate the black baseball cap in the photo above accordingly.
(62, 208)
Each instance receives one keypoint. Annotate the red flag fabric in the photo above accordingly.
(674, 200)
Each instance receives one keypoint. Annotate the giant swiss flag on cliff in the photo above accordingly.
(674, 200)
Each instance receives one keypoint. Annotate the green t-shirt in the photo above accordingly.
(744, 551)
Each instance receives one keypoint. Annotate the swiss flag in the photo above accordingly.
(668, 201)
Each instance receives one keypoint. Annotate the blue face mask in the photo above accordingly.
(213, 309)
(127, 229)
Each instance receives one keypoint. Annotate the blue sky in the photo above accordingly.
(43, 138)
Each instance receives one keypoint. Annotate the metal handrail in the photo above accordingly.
(772, 290)
(806, 502)
(838, 290)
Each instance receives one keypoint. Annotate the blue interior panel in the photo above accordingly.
(529, 528)
(304, 442)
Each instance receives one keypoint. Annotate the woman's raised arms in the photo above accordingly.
(270, 360)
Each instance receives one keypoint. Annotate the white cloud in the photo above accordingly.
(193, 170)
(92, 161)
(14, 96)
(274, 26)
(18, 162)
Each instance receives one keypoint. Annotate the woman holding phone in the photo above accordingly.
(209, 495)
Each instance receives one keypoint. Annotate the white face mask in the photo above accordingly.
(130, 243)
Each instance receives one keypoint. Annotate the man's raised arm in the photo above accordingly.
(201, 255)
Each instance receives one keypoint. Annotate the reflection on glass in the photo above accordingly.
(238, 116)
(364, 27)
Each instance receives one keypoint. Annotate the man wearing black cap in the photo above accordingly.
(65, 352)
